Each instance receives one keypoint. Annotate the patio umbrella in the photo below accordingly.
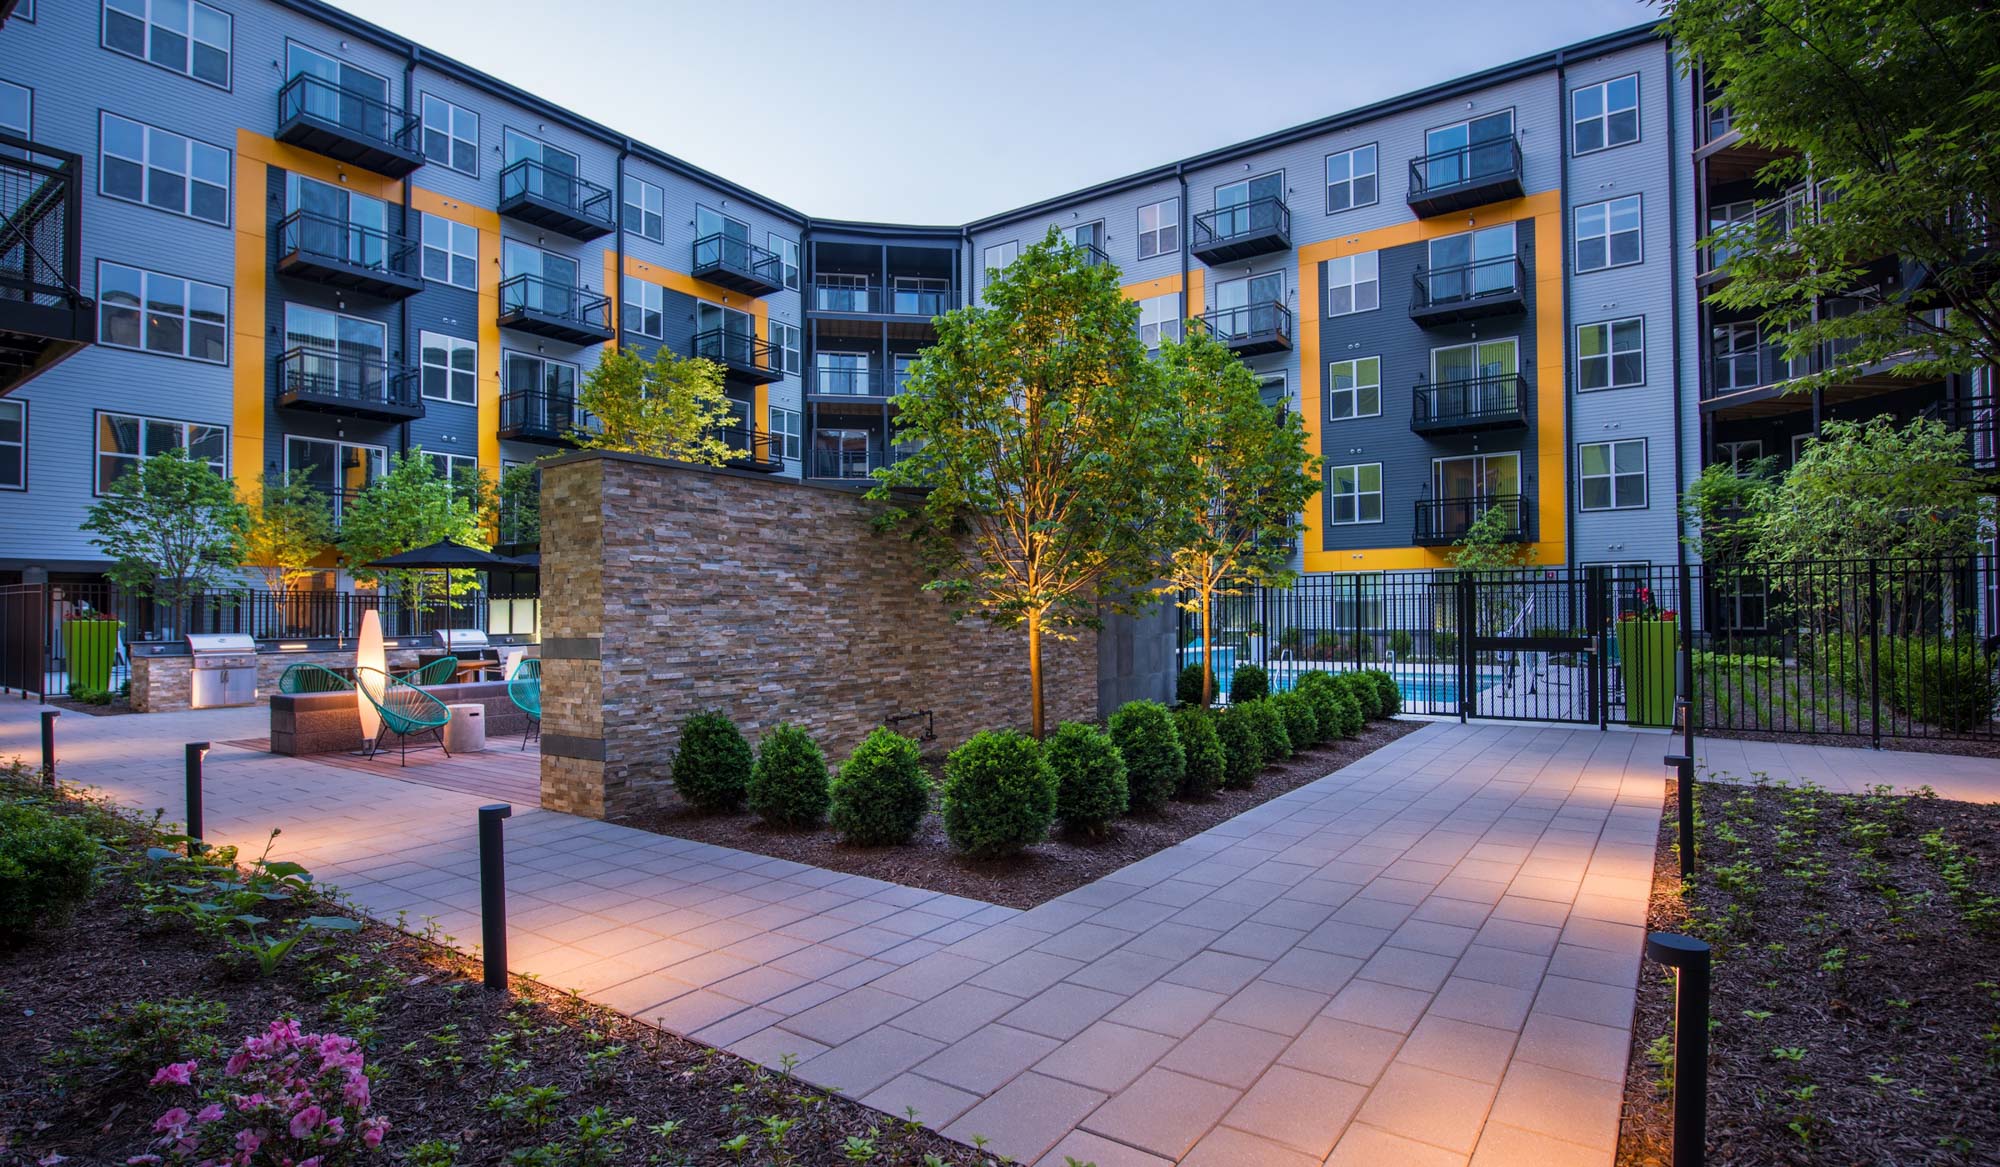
(444, 556)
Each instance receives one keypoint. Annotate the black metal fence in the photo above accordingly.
(1854, 649)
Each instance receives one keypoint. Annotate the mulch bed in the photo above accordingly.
(1856, 994)
(1040, 873)
(438, 1046)
(116, 708)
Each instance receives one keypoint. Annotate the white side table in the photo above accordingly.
(465, 733)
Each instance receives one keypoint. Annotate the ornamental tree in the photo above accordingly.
(668, 407)
(1239, 478)
(172, 527)
(1039, 431)
(292, 527)
(411, 506)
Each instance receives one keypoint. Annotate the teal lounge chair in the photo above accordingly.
(438, 672)
(306, 678)
(406, 710)
(524, 689)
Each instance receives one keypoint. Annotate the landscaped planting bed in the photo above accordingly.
(1856, 1000)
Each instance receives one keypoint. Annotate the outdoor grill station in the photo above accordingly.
(225, 669)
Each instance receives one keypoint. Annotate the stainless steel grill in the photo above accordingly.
(225, 669)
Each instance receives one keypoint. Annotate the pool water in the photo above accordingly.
(1425, 691)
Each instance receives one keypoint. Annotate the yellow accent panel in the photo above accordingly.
(256, 147)
(247, 368)
(489, 337)
(1147, 289)
(432, 203)
(687, 285)
(1197, 297)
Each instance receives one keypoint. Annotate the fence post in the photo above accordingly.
(49, 746)
(493, 894)
(1689, 958)
(1685, 604)
(193, 753)
(1467, 601)
(1874, 656)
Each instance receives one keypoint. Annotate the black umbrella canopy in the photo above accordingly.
(532, 561)
(444, 555)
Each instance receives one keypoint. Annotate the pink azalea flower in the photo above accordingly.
(305, 1120)
(177, 1074)
(210, 1113)
(173, 1120)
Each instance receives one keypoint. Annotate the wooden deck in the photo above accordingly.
(503, 771)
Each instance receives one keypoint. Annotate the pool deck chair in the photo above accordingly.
(306, 678)
(406, 710)
(438, 672)
(524, 689)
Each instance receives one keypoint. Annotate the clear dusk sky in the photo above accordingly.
(942, 111)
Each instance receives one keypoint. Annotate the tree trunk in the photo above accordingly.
(1207, 652)
(1035, 674)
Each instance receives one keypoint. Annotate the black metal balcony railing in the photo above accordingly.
(329, 381)
(1493, 401)
(330, 119)
(44, 315)
(740, 354)
(874, 299)
(558, 311)
(1446, 520)
(842, 382)
(1252, 329)
(738, 264)
(754, 449)
(1768, 222)
(534, 192)
(1093, 255)
(341, 254)
(535, 416)
(1453, 180)
(1756, 367)
(849, 464)
(1242, 231)
(1489, 287)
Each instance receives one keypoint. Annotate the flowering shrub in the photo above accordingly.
(285, 1099)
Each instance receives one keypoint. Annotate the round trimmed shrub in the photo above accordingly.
(1365, 693)
(880, 795)
(48, 864)
(1242, 749)
(788, 783)
(1145, 736)
(1269, 725)
(1090, 777)
(1326, 698)
(1391, 697)
(999, 793)
(1203, 751)
(1187, 686)
(712, 764)
(1249, 683)
(1301, 723)
(1351, 720)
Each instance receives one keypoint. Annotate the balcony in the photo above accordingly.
(848, 465)
(1446, 520)
(44, 316)
(740, 355)
(345, 255)
(1760, 366)
(1093, 255)
(1252, 330)
(1469, 291)
(326, 381)
(532, 192)
(1242, 231)
(321, 116)
(549, 418)
(738, 264)
(1470, 405)
(557, 311)
(753, 449)
(1469, 176)
(1769, 222)
(872, 299)
(850, 384)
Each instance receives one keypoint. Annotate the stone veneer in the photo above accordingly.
(675, 590)
(161, 684)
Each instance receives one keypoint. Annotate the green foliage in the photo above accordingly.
(292, 528)
(1249, 683)
(129, 1041)
(881, 794)
(1269, 725)
(1242, 747)
(1301, 720)
(1444, 645)
(1145, 735)
(410, 507)
(1869, 490)
(788, 782)
(171, 527)
(1725, 505)
(1090, 777)
(1402, 643)
(520, 504)
(1488, 545)
(668, 407)
(1338, 713)
(712, 763)
(1389, 698)
(1206, 763)
(1948, 683)
(48, 866)
(208, 890)
(999, 794)
(1187, 686)
(1365, 692)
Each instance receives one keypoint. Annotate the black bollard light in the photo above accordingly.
(1683, 764)
(194, 753)
(49, 746)
(493, 894)
(1689, 958)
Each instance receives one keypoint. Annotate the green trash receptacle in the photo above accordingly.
(92, 649)
(1646, 654)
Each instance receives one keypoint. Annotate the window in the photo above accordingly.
(1468, 151)
(1001, 256)
(1745, 357)
(124, 441)
(1159, 317)
(787, 251)
(1611, 354)
(449, 368)
(1607, 234)
(785, 432)
(1611, 476)
(1352, 284)
(141, 164)
(645, 209)
(1471, 265)
(537, 376)
(451, 135)
(1799, 444)
(451, 252)
(1738, 456)
(338, 470)
(17, 109)
(461, 470)
(1354, 493)
(642, 309)
(1159, 228)
(13, 445)
(1350, 179)
(164, 314)
(1354, 388)
(785, 342)
(181, 35)
(1606, 115)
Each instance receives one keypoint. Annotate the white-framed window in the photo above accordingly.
(1604, 115)
(124, 440)
(643, 308)
(451, 252)
(645, 209)
(785, 433)
(1739, 455)
(1001, 256)
(451, 135)
(1350, 179)
(1611, 476)
(157, 313)
(457, 469)
(1160, 228)
(527, 373)
(1468, 151)
(338, 470)
(1354, 388)
(158, 168)
(1353, 284)
(1746, 357)
(787, 251)
(17, 109)
(13, 444)
(785, 342)
(448, 368)
(1354, 493)
(1607, 234)
(185, 36)
(1159, 318)
(1611, 354)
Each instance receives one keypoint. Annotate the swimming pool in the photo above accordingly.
(1432, 689)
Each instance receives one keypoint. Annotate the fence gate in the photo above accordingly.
(1530, 655)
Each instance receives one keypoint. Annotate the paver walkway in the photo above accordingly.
(1428, 957)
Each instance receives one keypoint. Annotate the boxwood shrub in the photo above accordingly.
(1145, 735)
(1301, 722)
(999, 793)
(1365, 693)
(1391, 696)
(48, 864)
(1249, 683)
(1270, 726)
(1090, 776)
(1202, 749)
(1242, 749)
(788, 785)
(880, 795)
(1187, 686)
(712, 764)
(1339, 715)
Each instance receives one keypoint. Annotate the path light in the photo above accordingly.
(371, 670)
(48, 744)
(1689, 958)
(195, 752)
